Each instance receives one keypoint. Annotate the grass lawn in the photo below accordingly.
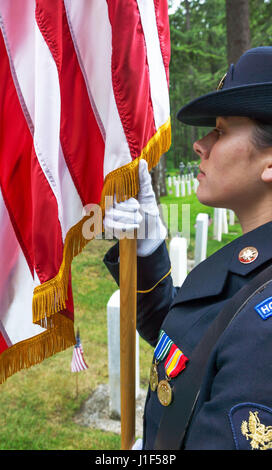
(37, 405)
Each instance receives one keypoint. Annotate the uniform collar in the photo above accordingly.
(208, 278)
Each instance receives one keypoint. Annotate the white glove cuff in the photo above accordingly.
(150, 235)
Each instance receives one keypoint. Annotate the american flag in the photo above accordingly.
(78, 362)
(84, 94)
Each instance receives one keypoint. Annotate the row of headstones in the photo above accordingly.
(222, 219)
(183, 185)
(177, 179)
(179, 263)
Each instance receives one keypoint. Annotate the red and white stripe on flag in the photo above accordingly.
(78, 362)
(83, 96)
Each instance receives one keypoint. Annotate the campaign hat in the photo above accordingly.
(245, 90)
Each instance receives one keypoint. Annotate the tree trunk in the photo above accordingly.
(162, 164)
(158, 177)
(155, 178)
(238, 29)
(190, 83)
(187, 13)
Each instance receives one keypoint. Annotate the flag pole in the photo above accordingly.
(128, 307)
(76, 384)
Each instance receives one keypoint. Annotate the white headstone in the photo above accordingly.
(217, 224)
(231, 217)
(178, 259)
(169, 181)
(177, 188)
(182, 188)
(189, 187)
(195, 184)
(225, 228)
(113, 319)
(202, 223)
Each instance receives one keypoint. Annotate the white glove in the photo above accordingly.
(142, 214)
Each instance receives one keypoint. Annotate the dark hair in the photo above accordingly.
(262, 134)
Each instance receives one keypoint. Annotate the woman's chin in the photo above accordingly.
(208, 201)
(203, 198)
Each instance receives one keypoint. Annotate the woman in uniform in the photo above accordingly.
(234, 406)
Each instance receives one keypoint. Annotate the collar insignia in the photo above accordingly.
(248, 255)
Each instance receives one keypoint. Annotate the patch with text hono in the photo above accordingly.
(264, 308)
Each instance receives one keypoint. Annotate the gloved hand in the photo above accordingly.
(142, 214)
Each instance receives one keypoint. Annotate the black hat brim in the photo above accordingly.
(253, 101)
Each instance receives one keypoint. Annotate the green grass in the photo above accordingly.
(37, 405)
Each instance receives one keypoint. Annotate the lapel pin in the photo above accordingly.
(248, 255)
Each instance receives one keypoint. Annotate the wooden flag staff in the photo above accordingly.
(128, 307)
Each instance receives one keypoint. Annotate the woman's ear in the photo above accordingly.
(267, 174)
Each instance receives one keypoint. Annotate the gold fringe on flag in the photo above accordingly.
(124, 182)
(50, 297)
(58, 337)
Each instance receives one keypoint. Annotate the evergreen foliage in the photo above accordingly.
(199, 60)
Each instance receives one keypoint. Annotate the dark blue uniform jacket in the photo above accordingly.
(234, 408)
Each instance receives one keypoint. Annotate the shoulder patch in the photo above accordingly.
(264, 308)
(251, 425)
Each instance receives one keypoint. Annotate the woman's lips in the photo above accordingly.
(201, 174)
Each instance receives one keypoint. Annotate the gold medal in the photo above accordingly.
(153, 377)
(162, 348)
(164, 392)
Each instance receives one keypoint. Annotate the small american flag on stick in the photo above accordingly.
(78, 362)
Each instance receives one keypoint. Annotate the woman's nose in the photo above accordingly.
(198, 148)
(202, 147)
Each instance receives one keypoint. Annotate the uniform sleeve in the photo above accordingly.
(155, 291)
(234, 409)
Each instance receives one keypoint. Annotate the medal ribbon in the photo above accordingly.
(175, 361)
(163, 346)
